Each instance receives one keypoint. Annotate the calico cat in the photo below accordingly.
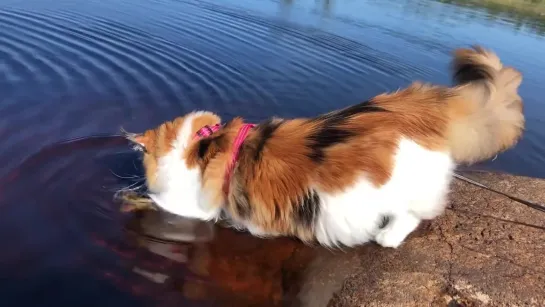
(337, 177)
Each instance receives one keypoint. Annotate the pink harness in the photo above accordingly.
(239, 139)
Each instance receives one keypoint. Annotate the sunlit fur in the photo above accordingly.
(371, 171)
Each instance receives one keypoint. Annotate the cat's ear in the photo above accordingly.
(138, 141)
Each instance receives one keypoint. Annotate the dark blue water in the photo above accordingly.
(73, 69)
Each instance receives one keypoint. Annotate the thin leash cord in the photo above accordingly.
(530, 204)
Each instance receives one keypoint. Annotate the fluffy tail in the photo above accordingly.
(486, 117)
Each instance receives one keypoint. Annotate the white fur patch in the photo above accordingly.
(416, 190)
(178, 188)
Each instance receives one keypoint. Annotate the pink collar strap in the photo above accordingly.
(207, 131)
(239, 139)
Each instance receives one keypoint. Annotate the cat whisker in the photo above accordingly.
(133, 187)
(134, 164)
(127, 177)
(128, 135)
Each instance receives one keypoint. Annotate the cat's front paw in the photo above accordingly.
(388, 238)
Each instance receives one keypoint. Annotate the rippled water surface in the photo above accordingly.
(78, 70)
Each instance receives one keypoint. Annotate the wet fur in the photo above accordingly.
(337, 177)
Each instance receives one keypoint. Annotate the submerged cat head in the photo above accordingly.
(183, 170)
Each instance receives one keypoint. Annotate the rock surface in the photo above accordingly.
(486, 250)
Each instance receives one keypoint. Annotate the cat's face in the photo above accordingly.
(171, 161)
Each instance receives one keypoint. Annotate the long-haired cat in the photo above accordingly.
(336, 178)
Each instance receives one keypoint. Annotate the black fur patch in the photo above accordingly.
(325, 137)
(208, 148)
(266, 130)
(384, 221)
(331, 131)
(214, 143)
(277, 211)
(340, 116)
(308, 209)
(203, 147)
(471, 72)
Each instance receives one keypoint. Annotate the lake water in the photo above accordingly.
(78, 70)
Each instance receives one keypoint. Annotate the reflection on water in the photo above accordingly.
(251, 272)
(72, 69)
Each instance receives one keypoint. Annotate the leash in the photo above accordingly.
(530, 204)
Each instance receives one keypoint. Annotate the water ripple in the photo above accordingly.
(74, 221)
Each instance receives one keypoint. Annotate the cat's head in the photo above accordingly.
(184, 170)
